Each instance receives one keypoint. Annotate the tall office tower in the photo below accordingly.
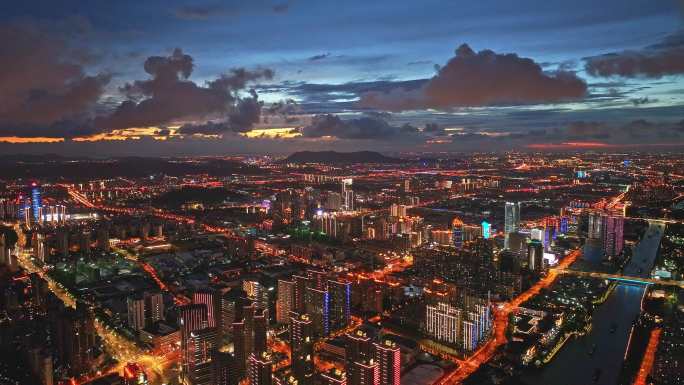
(136, 312)
(259, 369)
(191, 318)
(595, 226)
(208, 298)
(457, 233)
(318, 308)
(340, 304)
(613, 234)
(249, 335)
(363, 372)
(333, 377)
(75, 340)
(154, 307)
(224, 369)
(230, 307)
(202, 345)
(302, 345)
(285, 302)
(511, 220)
(535, 256)
(301, 284)
(36, 201)
(134, 375)
(443, 322)
(388, 356)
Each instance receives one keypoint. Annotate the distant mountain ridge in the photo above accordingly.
(339, 157)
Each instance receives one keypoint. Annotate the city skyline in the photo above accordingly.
(216, 78)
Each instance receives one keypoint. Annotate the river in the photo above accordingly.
(573, 365)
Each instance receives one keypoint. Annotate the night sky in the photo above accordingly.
(161, 77)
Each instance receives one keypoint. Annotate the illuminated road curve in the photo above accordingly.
(501, 316)
(622, 278)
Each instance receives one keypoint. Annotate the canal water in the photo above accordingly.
(573, 365)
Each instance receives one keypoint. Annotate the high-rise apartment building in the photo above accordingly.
(388, 356)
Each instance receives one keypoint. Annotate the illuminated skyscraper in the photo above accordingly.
(511, 220)
(470, 336)
(259, 369)
(444, 322)
(208, 298)
(535, 255)
(363, 372)
(301, 284)
(154, 307)
(612, 231)
(191, 318)
(340, 304)
(318, 308)
(333, 377)
(285, 302)
(388, 356)
(136, 312)
(75, 340)
(224, 366)
(457, 233)
(361, 366)
(486, 229)
(36, 201)
(202, 345)
(302, 345)
(595, 226)
(358, 346)
(231, 305)
(249, 335)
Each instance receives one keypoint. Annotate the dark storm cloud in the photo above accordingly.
(366, 127)
(655, 61)
(481, 79)
(43, 83)
(169, 95)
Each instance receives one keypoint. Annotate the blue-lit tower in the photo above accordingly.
(457, 233)
(486, 230)
(36, 202)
